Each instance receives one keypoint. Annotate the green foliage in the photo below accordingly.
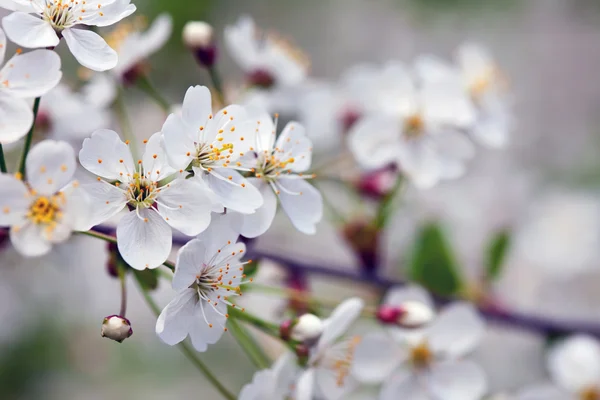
(148, 278)
(497, 250)
(433, 263)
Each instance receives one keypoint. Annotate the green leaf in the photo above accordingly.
(496, 252)
(147, 277)
(433, 263)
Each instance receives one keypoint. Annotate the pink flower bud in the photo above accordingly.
(411, 314)
(198, 36)
(116, 328)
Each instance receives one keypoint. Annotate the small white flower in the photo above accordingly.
(574, 366)
(49, 205)
(143, 235)
(330, 361)
(274, 383)
(23, 76)
(278, 167)
(208, 272)
(424, 363)
(267, 59)
(211, 145)
(47, 21)
(416, 127)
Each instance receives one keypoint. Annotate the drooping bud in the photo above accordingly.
(411, 314)
(377, 184)
(116, 328)
(308, 329)
(363, 237)
(198, 36)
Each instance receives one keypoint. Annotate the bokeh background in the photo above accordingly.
(543, 189)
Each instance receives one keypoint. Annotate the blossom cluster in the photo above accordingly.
(217, 170)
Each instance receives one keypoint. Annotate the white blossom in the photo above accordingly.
(45, 208)
(144, 234)
(274, 383)
(46, 22)
(22, 77)
(424, 363)
(278, 168)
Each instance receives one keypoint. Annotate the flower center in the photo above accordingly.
(46, 210)
(61, 13)
(590, 393)
(141, 192)
(272, 166)
(414, 126)
(421, 355)
(340, 361)
(209, 155)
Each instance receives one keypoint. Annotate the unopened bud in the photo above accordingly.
(302, 352)
(261, 78)
(411, 314)
(198, 36)
(307, 329)
(116, 328)
(285, 329)
(378, 183)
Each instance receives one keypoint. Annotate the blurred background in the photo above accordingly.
(543, 189)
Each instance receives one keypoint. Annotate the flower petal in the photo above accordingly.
(179, 142)
(340, 321)
(254, 225)
(305, 387)
(14, 201)
(376, 357)
(457, 330)
(144, 241)
(2, 45)
(173, 323)
(32, 74)
(50, 166)
(457, 380)
(235, 193)
(105, 155)
(77, 210)
(16, 118)
(29, 31)
(301, 202)
(185, 206)
(90, 49)
(107, 200)
(543, 392)
(190, 259)
(197, 106)
(374, 141)
(29, 239)
(294, 144)
(575, 363)
(329, 385)
(112, 13)
(154, 159)
(400, 294)
(403, 385)
(208, 325)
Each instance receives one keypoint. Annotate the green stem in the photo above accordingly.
(248, 344)
(216, 81)
(146, 86)
(2, 160)
(265, 326)
(124, 122)
(29, 137)
(123, 309)
(336, 216)
(385, 207)
(189, 353)
(99, 235)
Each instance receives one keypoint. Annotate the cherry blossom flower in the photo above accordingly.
(424, 363)
(208, 272)
(328, 372)
(278, 173)
(144, 234)
(49, 205)
(274, 383)
(416, 127)
(46, 22)
(23, 76)
(574, 366)
(210, 146)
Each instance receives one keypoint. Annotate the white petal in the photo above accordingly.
(261, 387)
(32, 74)
(446, 102)
(154, 159)
(230, 192)
(29, 31)
(29, 240)
(329, 387)
(305, 387)
(179, 142)
(376, 357)
(106, 200)
(78, 208)
(575, 363)
(403, 385)
(16, 118)
(420, 161)
(305, 207)
(185, 206)
(102, 154)
(457, 380)
(457, 330)
(543, 392)
(254, 225)
(144, 241)
(17, 5)
(2, 45)
(401, 294)
(197, 106)
(50, 166)
(112, 13)
(90, 49)
(373, 141)
(293, 143)
(173, 323)
(208, 325)
(265, 137)
(222, 230)
(190, 259)
(340, 321)
(14, 201)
